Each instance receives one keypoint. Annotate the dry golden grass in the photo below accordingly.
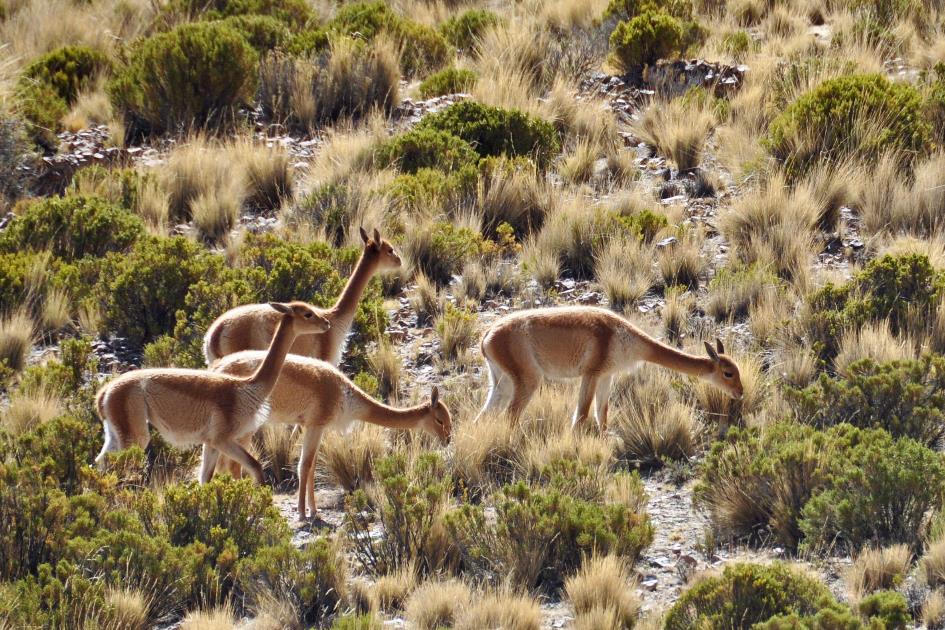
(56, 312)
(932, 564)
(878, 569)
(675, 314)
(129, 608)
(933, 611)
(386, 365)
(485, 453)
(500, 610)
(767, 318)
(512, 66)
(457, 331)
(361, 597)
(27, 411)
(603, 586)
(681, 263)
(565, 15)
(436, 604)
(92, 107)
(625, 271)
(220, 618)
(202, 170)
(736, 289)
(874, 341)
(541, 263)
(724, 411)
(425, 300)
(676, 130)
(279, 446)
(214, 214)
(591, 450)
(648, 437)
(349, 458)
(16, 339)
(267, 173)
(889, 204)
(522, 198)
(393, 589)
(577, 166)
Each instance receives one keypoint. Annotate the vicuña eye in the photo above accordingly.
(728, 374)
(308, 316)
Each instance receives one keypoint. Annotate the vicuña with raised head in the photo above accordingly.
(250, 327)
(201, 407)
(584, 342)
(316, 395)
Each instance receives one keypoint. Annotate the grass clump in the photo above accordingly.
(465, 30)
(447, 81)
(857, 116)
(192, 76)
(457, 330)
(441, 250)
(603, 584)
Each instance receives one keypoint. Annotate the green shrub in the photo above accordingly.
(122, 186)
(66, 70)
(934, 104)
(408, 502)
(496, 131)
(263, 32)
(311, 579)
(432, 188)
(858, 117)
(304, 43)
(295, 13)
(906, 398)
(39, 105)
(754, 481)
(464, 30)
(541, 535)
(72, 227)
(889, 608)
(447, 81)
(15, 156)
(629, 9)
(645, 39)
(17, 272)
(195, 74)
(426, 148)
(737, 44)
(142, 291)
(748, 594)
(892, 287)
(881, 493)
(422, 47)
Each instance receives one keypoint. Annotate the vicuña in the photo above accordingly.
(584, 342)
(316, 395)
(251, 327)
(201, 407)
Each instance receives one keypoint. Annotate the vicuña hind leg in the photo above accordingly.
(500, 391)
(310, 442)
(602, 402)
(232, 449)
(208, 463)
(525, 386)
(585, 396)
(126, 420)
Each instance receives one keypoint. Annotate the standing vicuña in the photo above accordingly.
(317, 395)
(197, 406)
(250, 327)
(584, 342)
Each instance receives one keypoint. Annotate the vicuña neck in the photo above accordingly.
(677, 360)
(268, 371)
(383, 415)
(347, 303)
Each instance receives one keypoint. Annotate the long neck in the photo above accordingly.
(383, 415)
(267, 373)
(676, 360)
(347, 304)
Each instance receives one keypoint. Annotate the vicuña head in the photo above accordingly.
(438, 422)
(305, 319)
(387, 257)
(724, 373)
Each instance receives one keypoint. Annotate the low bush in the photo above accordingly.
(311, 580)
(193, 75)
(736, 289)
(447, 81)
(72, 227)
(295, 13)
(745, 595)
(440, 250)
(464, 30)
(852, 117)
(456, 328)
(496, 131)
(263, 32)
(408, 499)
(15, 156)
(888, 608)
(645, 39)
(426, 148)
(881, 493)
(67, 70)
(541, 534)
(41, 109)
(432, 188)
(897, 288)
(629, 9)
(906, 398)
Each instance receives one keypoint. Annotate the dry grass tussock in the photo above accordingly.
(16, 339)
(932, 564)
(933, 611)
(393, 589)
(650, 437)
(878, 569)
(773, 226)
(501, 610)
(437, 604)
(28, 410)
(676, 130)
(874, 341)
(425, 299)
(349, 457)
(603, 586)
(624, 270)
(129, 607)
(724, 411)
(890, 204)
(386, 365)
(220, 618)
(522, 198)
(681, 263)
(513, 66)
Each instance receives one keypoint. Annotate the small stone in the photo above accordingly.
(666, 242)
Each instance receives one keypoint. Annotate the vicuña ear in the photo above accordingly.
(434, 396)
(364, 236)
(377, 237)
(719, 346)
(712, 353)
(279, 306)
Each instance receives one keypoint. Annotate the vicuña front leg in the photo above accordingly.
(602, 402)
(208, 463)
(232, 449)
(310, 442)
